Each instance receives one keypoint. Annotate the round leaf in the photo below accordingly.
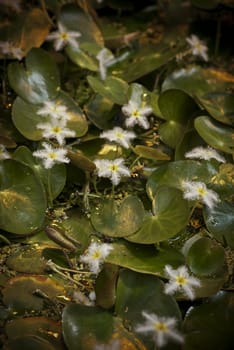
(122, 221)
(85, 326)
(170, 215)
(205, 257)
(38, 81)
(22, 198)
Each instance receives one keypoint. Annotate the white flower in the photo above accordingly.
(51, 155)
(107, 59)
(63, 37)
(9, 49)
(95, 255)
(119, 135)
(56, 130)
(113, 169)
(161, 327)
(4, 154)
(198, 47)
(180, 280)
(136, 111)
(54, 110)
(196, 190)
(206, 153)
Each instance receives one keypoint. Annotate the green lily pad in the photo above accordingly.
(171, 133)
(38, 81)
(138, 292)
(82, 58)
(205, 257)
(210, 325)
(118, 221)
(85, 326)
(145, 258)
(81, 161)
(22, 198)
(220, 106)
(26, 119)
(43, 327)
(190, 140)
(56, 176)
(176, 105)
(99, 111)
(170, 215)
(114, 89)
(215, 134)
(27, 260)
(148, 59)
(19, 293)
(174, 173)
(220, 222)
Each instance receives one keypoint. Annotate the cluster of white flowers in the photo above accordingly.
(205, 153)
(95, 255)
(9, 49)
(136, 111)
(63, 37)
(4, 154)
(113, 169)
(198, 47)
(54, 129)
(196, 190)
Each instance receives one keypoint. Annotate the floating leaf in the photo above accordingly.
(176, 105)
(136, 293)
(220, 222)
(105, 286)
(43, 327)
(173, 174)
(38, 81)
(55, 177)
(114, 89)
(210, 325)
(170, 215)
(118, 221)
(215, 134)
(22, 198)
(205, 257)
(171, 133)
(29, 342)
(86, 326)
(26, 119)
(19, 293)
(81, 161)
(99, 112)
(145, 259)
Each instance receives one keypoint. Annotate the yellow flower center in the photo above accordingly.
(56, 129)
(181, 280)
(119, 135)
(113, 167)
(96, 254)
(64, 36)
(161, 326)
(136, 113)
(201, 191)
(52, 155)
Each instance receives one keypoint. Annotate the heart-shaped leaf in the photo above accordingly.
(22, 198)
(170, 215)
